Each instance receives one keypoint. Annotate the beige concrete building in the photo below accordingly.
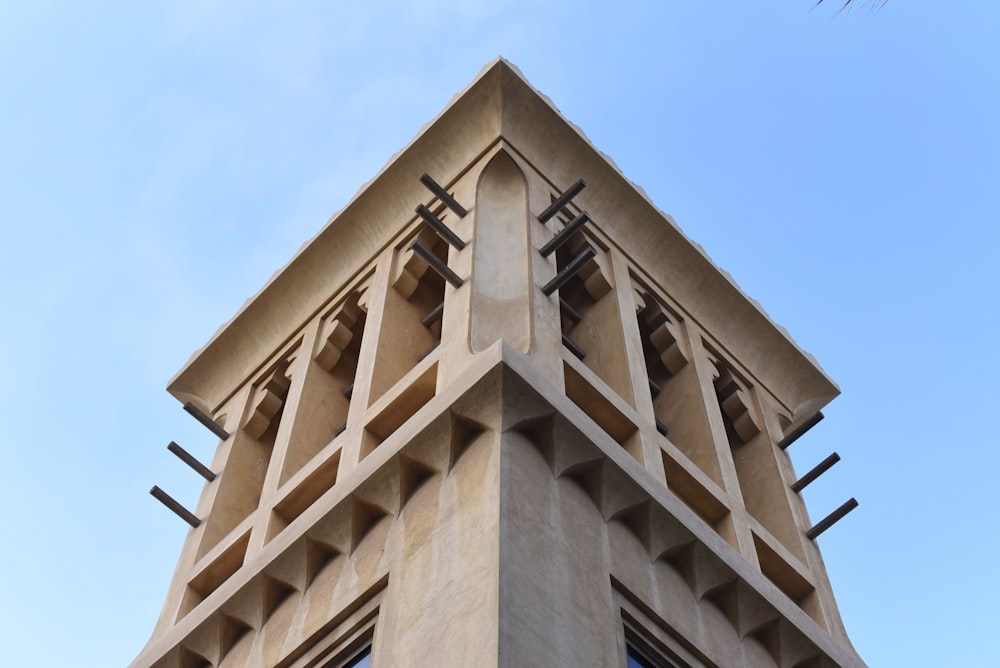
(517, 419)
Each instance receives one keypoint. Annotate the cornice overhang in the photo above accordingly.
(501, 104)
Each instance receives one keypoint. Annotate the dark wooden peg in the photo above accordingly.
(577, 351)
(832, 519)
(434, 315)
(438, 226)
(436, 263)
(206, 420)
(816, 472)
(569, 271)
(443, 195)
(562, 201)
(564, 235)
(173, 505)
(190, 460)
(794, 434)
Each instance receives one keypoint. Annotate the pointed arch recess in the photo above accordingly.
(501, 276)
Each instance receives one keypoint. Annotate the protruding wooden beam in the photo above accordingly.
(570, 312)
(433, 316)
(794, 434)
(573, 348)
(438, 226)
(563, 235)
(429, 350)
(654, 388)
(173, 505)
(570, 270)
(436, 263)
(206, 420)
(562, 201)
(190, 460)
(816, 472)
(832, 519)
(443, 195)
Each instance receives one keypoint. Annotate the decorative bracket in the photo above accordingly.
(734, 402)
(337, 329)
(268, 401)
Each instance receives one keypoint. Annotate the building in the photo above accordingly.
(514, 419)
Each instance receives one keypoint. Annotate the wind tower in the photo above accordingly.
(500, 411)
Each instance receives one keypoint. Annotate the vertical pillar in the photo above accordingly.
(651, 457)
(742, 538)
(350, 453)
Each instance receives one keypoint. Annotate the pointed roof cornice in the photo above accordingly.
(500, 104)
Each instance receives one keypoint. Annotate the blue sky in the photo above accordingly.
(159, 161)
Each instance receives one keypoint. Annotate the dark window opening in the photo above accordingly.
(643, 659)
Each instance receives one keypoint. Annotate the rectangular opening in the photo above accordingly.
(765, 493)
(788, 579)
(211, 577)
(589, 317)
(328, 383)
(411, 320)
(305, 494)
(400, 409)
(698, 498)
(679, 408)
(602, 410)
(241, 480)
(692, 492)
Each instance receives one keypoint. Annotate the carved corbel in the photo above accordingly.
(734, 400)
(336, 331)
(596, 274)
(269, 397)
(411, 267)
(664, 329)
